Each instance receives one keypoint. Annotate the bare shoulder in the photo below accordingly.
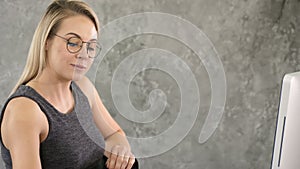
(85, 84)
(23, 116)
(22, 108)
(87, 88)
(21, 130)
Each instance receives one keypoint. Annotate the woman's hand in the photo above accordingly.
(118, 152)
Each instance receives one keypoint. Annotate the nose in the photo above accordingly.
(83, 53)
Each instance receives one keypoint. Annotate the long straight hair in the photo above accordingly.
(56, 12)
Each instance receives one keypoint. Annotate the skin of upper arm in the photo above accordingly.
(22, 125)
(103, 120)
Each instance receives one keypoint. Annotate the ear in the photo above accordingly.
(47, 44)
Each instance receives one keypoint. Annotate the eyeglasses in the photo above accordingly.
(74, 45)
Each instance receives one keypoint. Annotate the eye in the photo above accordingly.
(74, 42)
(91, 49)
(71, 44)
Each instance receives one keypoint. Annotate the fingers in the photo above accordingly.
(130, 162)
(119, 158)
(107, 154)
(125, 160)
(113, 157)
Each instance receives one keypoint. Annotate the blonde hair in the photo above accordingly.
(56, 12)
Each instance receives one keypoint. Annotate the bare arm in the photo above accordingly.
(21, 128)
(105, 123)
(117, 147)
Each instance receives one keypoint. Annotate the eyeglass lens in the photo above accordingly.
(75, 44)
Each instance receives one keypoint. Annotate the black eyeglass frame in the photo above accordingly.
(68, 40)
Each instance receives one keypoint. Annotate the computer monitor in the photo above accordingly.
(286, 151)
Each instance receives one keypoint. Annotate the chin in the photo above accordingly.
(77, 76)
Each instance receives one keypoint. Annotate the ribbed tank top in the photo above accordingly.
(67, 145)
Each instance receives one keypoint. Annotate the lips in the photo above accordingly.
(79, 66)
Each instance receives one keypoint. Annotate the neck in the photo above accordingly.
(55, 89)
(56, 86)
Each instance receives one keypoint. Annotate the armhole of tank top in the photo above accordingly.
(3, 112)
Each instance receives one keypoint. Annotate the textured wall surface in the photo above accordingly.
(257, 41)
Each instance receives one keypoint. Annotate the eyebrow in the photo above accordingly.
(78, 36)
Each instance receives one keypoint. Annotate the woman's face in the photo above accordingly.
(63, 64)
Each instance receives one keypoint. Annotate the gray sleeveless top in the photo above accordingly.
(67, 145)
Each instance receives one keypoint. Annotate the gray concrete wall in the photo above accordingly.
(257, 42)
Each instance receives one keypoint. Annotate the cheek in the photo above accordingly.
(57, 56)
(61, 51)
(57, 47)
(90, 62)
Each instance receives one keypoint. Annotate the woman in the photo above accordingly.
(39, 125)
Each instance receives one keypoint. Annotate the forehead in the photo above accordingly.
(80, 25)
